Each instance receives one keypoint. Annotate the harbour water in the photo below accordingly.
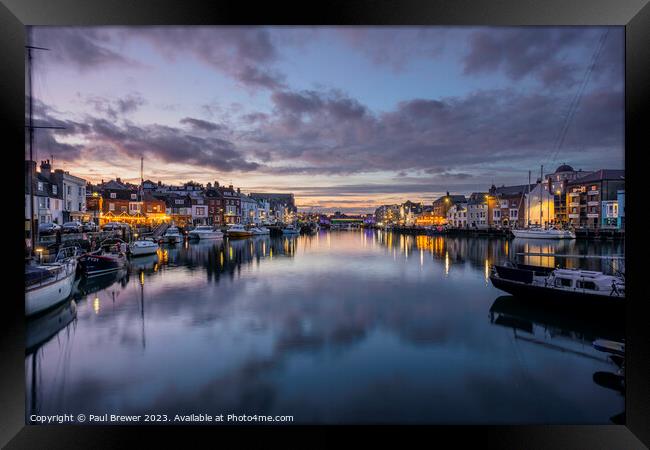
(339, 327)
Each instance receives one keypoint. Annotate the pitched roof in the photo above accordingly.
(115, 185)
(513, 190)
(598, 175)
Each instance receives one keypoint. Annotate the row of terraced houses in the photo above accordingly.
(61, 197)
(566, 197)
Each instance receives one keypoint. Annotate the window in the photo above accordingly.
(586, 285)
(111, 206)
(68, 190)
(563, 282)
(179, 201)
(80, 208)
(113, 195)
(40, 185)
(134, 196)
(55, 188)
(80, 192)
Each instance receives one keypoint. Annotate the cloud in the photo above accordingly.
(201, 125)
(84, 48)
(116, 108)
(107, 140)
(554, 56)
(315, 132)
(395, 47)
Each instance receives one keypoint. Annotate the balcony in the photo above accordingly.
(593, 203)
(592, 215)
(574, 204)
(574, 216)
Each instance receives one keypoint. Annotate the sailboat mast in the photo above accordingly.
(541, 176)
(528, 201)
(32, 231)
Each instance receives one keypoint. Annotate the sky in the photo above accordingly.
(346, 118)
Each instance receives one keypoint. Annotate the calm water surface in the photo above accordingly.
(339, 327)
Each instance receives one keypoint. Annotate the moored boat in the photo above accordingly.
(238, 230)
(172, 235)
(205, 232)
(290, 229)
(543, 233)
(47, 285)
(111, 256)
(559, 284)
(143, 247)
(259, 231)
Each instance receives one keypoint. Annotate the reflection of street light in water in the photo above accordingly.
(487, 270)
(446, 263)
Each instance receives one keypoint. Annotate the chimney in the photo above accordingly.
(230, 186)
(216, 184)
(238, 191)
(46, 168)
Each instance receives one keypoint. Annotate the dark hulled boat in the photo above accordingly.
(563, 285)
(110, 257)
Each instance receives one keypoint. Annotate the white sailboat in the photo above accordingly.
(47, 285)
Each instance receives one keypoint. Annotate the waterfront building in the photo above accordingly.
(124, 202)
(282, 207)
(586, 195)
(387, 214)
(178, 207)
(48, 204)
(72, 190)
(199, 210)
(478, 210)
(231, 205)
(509, 209)
(249, 209)
(457, 215)
(441, 205)
(263, 211)
(558, 182)
(408, 211)
(539, 207)
(620, 195)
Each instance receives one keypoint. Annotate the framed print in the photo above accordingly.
(385, 217)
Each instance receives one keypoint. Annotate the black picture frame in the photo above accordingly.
(633, 14)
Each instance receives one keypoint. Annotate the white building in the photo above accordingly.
(249, 210)
(477, 210)
(72, 190)
(263, 211)
(199, 211)
(539, 207)
(457, 215)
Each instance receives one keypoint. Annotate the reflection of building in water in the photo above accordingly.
(227, 256)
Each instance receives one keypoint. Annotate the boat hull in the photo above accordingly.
(526, 290)
(239, 233)
(48, 295)
(142, 251)
(528, 234)
(172, 239)
(204, 236)
(100, 264)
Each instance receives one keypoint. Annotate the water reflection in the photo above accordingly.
(566, 331)
(346, 327)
